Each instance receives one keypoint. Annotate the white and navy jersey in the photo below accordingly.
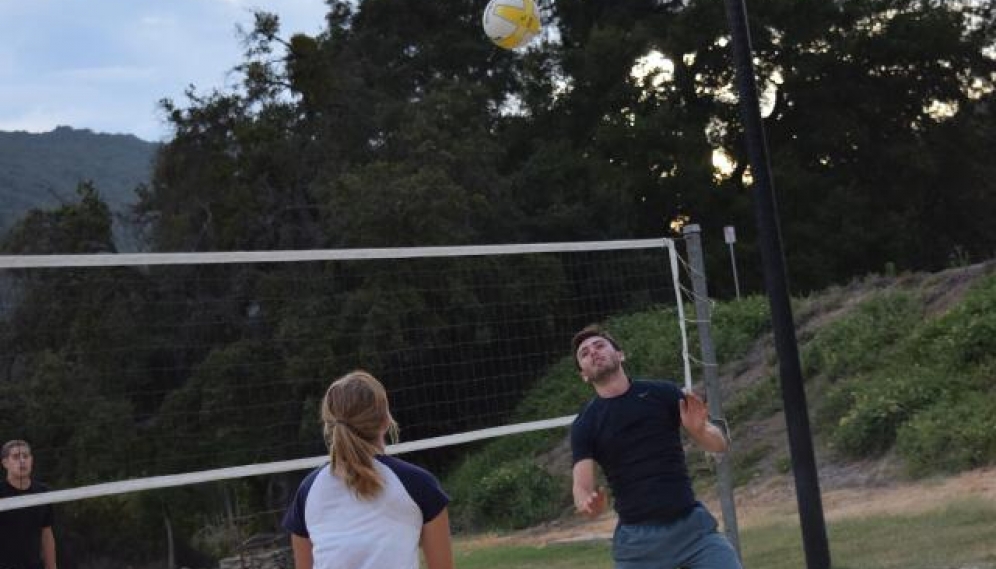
(349, 533)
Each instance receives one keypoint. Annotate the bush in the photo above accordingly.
(965, 336)
(475, 485)
(512, 495)
(879, 404)
(737, 325)
(951, 436)
(760, 400)
(858, 340)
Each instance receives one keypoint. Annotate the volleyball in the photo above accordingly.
(511, 23)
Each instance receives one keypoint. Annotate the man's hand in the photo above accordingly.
(592, 504)
(694, 413)
(695, 419)
(588, 499)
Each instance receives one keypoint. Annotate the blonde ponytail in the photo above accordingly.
(355, 415)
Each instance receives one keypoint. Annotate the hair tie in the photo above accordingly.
(343, 423)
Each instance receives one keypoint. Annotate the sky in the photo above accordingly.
(104, 65)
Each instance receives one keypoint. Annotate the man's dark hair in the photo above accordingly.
(11, 445)
(588, 332)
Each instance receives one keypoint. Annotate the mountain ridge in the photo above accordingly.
(43, 170)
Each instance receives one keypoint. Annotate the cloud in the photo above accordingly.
(156, 21)
(109, 74)
(6, 63)
(105, 64)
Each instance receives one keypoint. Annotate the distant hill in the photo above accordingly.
(43, 170)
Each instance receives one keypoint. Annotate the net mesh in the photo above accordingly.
(159, 368)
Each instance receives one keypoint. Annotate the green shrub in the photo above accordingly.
(836, 402)
(514, 495)
(965, 336)
(737, 325)
(858, 340)
(502, 485)
(760, 400)
(953, 435)
(879, 404)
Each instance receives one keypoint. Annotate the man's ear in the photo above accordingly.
(584, 378)
(622, 356)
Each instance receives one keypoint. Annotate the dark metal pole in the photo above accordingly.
(807, 486)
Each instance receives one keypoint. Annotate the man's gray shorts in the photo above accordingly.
(690, 542)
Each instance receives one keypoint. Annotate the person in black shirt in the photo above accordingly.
(632, 430)
(26, 538)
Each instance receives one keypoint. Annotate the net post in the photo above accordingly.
(710, 371)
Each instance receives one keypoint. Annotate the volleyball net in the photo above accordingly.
(131, 372)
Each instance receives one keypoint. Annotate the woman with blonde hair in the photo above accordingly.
(366, 510)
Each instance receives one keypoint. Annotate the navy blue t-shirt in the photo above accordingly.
(636, 439)
(21, 529)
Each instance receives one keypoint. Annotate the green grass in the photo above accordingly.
(567, 556)
(960, 535)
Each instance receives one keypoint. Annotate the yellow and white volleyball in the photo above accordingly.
(511, 23)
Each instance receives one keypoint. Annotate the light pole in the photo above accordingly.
(807, 486)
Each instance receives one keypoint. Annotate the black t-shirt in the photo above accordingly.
(20, 529)
(636, 439)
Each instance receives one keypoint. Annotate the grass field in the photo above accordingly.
(961, 535)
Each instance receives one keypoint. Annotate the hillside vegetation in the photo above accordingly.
(897, 368)
(43, 170)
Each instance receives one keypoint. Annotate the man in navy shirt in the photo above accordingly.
(26, 539)
(632, 430)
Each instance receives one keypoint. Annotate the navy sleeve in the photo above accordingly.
(48, 512)
(581, 446)
(294, 517)
(48, 519)
(420, 485)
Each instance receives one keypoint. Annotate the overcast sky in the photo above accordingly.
(105, 64)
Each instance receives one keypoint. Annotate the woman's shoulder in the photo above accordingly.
(406, 470)
(420, 484)
(309, 479)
